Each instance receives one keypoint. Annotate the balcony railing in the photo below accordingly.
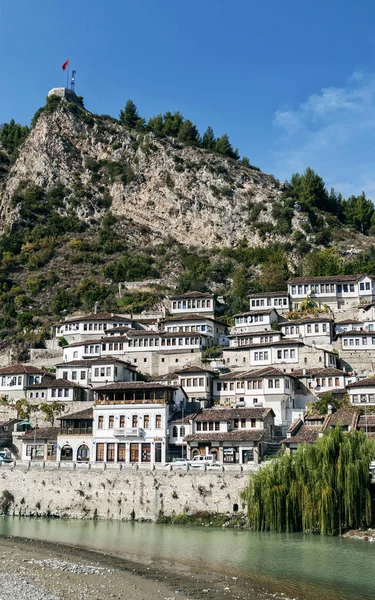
(128, 432)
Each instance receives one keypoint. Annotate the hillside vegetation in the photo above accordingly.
(91, 202)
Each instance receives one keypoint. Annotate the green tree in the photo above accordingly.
(25, 320)
(156, 124)
(188, 133)
(208, 140)
(322, 488)
(358, 212)
(245, 162)
(224, 147)
(12, 135)
(172, 123)
(322, 262)
(130, 117)
(51, 410)
(325, 401)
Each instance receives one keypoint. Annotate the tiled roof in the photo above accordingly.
(325, 278)
(306, 435)
(87, 413)
(307, 320)
(19, 369)
(186, 334)
(178, 418)
(194, 369)
(295, 426)
(55, 383)
(368, 420)
(225, 414)
(42, 433)
(319, 372)
(269, 294)
(255, 373)
(134, 385)
(355, 332)
(192, 295)
(349, 322)
(284, 342)
(368, 382)
(345, 416)
(110, 339)
(103, 316)
(84, 343)
(118, 329)
(263, 311)
(191, 317)
(238, 435)
(88, 362)
(256, 333)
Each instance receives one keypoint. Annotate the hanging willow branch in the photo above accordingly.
(322, 488)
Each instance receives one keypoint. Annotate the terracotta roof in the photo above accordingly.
(192, 295)
(368, 382)
(319, 372)
(178, 418)
(263, 311)
(269, 294)
(103, 316)
(355, 333)
(305, 435)
(19, 369)
(134, 385)
(110, 339)
(348, 322)
(194, 369)
(55, 383)
(225, 414)
(191, 317)
(238, 435)
(256, 333)
(42, 433)
(345, 416)
(325, 278)
(84, 343)
(366, 419)
(295, 426)
(306, 320)
(186, 334)
(88, 362)
(284, 342)
(87, 413)
(255, 373)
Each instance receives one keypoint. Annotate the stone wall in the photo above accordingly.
(114, 493)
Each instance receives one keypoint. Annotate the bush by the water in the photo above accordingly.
(322, 488)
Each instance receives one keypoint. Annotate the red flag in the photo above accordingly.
(65, 64)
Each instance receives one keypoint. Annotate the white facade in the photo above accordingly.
(254, 320)
(336, 291)
(58, 390)
(15, 379)
(277, 300)
(86, 326)
(317, 331)
(193, 324)
(193, 302)
(95, 372)
(362, 393)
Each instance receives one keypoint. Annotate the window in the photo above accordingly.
(362, 287)
(174, 431)
(243, 423)
(53, 393)
(102, 371)
(316, 328)
(199, 426)
(110, 452)
(309, 329)
(83, 375)
(292, 354)
(111, 421)
(158, 421)
(100, 422)
(96, 372)
(270, 383)
(235, 423)
(253, 422)
(75, 354)
(277, 383)
(74, 375)
(108, 371)
(367, 285)
(122, 421)
(135, 421)
(146, 421)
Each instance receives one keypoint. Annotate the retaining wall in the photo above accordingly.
(111, 493)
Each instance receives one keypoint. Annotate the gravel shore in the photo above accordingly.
(34, 570)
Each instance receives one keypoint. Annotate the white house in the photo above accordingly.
(337, 291)
(40, 444)
(233, 435)
(16, 378)
(255, 320)
(197, 383)
(267, 388)
(348, 325)
(200, 303)
(74, 439)
(74, 329)
(362, 392)
(97, 371)
(311, 330)
(196, 323)
(50, 390)
(82, 350)
(278, 300)
(131, 421)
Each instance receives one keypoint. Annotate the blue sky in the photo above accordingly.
(291, 82)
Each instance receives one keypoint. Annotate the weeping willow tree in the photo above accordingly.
(322, 488)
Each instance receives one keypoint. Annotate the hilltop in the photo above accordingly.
(88, 202)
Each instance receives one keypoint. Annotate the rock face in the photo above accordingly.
(199, 198)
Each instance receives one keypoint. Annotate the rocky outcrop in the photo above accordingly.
(199, 198)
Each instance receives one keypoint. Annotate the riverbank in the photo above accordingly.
(38, 570)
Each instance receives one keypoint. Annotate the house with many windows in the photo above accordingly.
(362, 392)
(211, 327)
(255, 320)
(131, 421)
(233, 435)
(311, 331)
(278, 300)
(336, 291)
(16, 378)
(74, 439)
(61, 390)
(199, 303)
(75, 329)
(97, 371)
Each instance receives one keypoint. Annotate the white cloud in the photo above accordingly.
(333, 132)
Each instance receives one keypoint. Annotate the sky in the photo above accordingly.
(291, 82)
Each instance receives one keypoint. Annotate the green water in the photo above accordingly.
(297, 565)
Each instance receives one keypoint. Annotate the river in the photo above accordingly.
(299, 566)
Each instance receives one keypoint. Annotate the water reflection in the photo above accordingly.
(298, 565)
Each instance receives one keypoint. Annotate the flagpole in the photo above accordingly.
(67, 77)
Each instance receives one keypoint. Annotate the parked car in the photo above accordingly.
(5, 457)
(202, 459)
(180, 462)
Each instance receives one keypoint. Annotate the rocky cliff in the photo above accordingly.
(198, 197)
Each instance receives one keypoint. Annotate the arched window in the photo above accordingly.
(83, 453)
(66, 453)
(175, 431)
(182, 431)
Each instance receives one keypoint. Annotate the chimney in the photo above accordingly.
(330, 409)
(303, 371)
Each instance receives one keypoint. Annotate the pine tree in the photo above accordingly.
(224, 147)
(209, 140)
(188, 133)
(130, 116)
